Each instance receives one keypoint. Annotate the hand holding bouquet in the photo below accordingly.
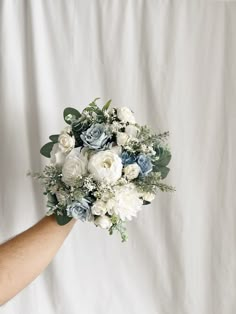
(103, 167)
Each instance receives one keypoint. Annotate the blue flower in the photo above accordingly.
(145, 164)
(127, 158)
(80, 209)
(95, 137)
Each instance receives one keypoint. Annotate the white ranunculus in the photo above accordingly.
(66, 142)
(75, 165)
(99, 208)
(103, 222)
(105, 166)
(122, 138)
(126, 202)
(57, 156)
(132, 171)
(131, 130)
(148, 196)
(125, 114)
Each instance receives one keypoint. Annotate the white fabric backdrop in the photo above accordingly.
(173, 63)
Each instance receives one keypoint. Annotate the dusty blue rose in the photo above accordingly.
(128, 158)
(95, 137)
(80, 210)
(145, 164)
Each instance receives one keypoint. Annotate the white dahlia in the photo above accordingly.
(125, 203)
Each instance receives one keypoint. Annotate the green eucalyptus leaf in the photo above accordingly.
(164, 158)
(107, 105)
(46, 149)
(54, 138)
(63, 220)
(162, 169)
(71, 114)
(77, 128)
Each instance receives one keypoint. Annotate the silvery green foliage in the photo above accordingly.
(95, 129)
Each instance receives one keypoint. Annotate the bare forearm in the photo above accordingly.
(25, 256)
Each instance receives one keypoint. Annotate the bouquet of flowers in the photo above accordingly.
(103, 167)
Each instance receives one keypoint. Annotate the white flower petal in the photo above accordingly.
(75, 166)
(125, 114)
(126, 202)
(57, 156)
(66, 142)
(105, 166)
(103, 222)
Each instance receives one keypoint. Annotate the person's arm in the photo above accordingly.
(25, 256)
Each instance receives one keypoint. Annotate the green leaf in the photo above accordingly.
(162, 169)
(75, 114)
(52, 200)
(46, 149)
(146, 202)
(77, 128)
(164, 158)
(95, 100)
(119, 226)
(93, 103)
(91, 108)
(54, 138)
(63, 220)
(107, 105)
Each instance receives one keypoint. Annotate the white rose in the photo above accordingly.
(148, 196)
(57, 156)
(67, 129)
(131, 130)
(121, 138)
(99, 208)
(126, 202)
(105, 166)
(66, 142)
(125, 114)
(103, 222)
(131, 171)
(75, 166)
